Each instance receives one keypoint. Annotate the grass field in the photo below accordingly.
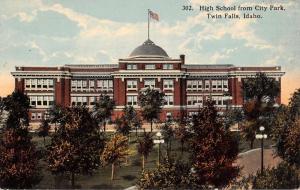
(126, 174)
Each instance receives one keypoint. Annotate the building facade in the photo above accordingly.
(186, 86)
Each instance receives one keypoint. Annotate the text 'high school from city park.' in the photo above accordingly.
(185, 85)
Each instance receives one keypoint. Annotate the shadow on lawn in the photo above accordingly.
(106, 186)
(129, 177)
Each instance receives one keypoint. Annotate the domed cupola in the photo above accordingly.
(149, 49)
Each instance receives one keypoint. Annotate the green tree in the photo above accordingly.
(151, 102)
(283, 176)
(169, 175)
(57, 115)
(17, 106)
(103, 109)
(286, 132)
(1, 106)
(122, 126)
(259, 94)
(75, 146)
(2, 121)
(18, 156)
(182, 134)
(294, 105)
(43, 130)
(233, 116)
(115, 152)
(168, 134)
(213, 149)
(291, 145)
(145, 146)
(18, 160)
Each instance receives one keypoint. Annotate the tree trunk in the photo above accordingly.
(44, 141)
(151, 125)
(104, 126)
(112, 171)
(73, 180)
(136, 132)
(251, 143)
(182, 148)
(143, 162)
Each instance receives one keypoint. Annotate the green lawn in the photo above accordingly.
(126, 174)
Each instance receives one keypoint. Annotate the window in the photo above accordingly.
(110, 84)
(39, 100)
(33, 83)
(39, 83)
(131, 84)
(214, 84)
(39, 115)
(74, 84)
(207, 84)
(200, 85)
(33, 116)
(79, 101)
(149, 83)
(45, 100)
(189, 84)
(33, 100)
(73, 101)
(131, 67)
(132, 100)
(92, 100)
(51, 83)
(84, 84)
(150, 66)
(218, 100)
(194, 100)
(225, 83)
(168, 84)
(79, 84)
(92, 84)
(99, 83)
(51, 100)
(169, 100)
(219, 84)
(27, 83)
(194, 85)
(45, 83)
(105, 84)
(84, 101)
(168, 66)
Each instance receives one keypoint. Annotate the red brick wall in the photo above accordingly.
(19, 85)
(119, 91)
(59, 95)
(67, 90)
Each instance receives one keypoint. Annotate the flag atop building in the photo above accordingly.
(154, 15)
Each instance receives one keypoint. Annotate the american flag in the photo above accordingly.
(154, 15)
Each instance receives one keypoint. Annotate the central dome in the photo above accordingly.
(148, 49)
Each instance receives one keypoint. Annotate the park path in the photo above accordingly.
(251, 160)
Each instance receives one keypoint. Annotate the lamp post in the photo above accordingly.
(158, 141)
(262, 136)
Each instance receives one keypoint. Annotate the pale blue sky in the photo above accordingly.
(53, 33)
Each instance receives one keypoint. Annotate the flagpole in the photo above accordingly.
(148, 25)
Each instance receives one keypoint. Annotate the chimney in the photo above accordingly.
(182, 58)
